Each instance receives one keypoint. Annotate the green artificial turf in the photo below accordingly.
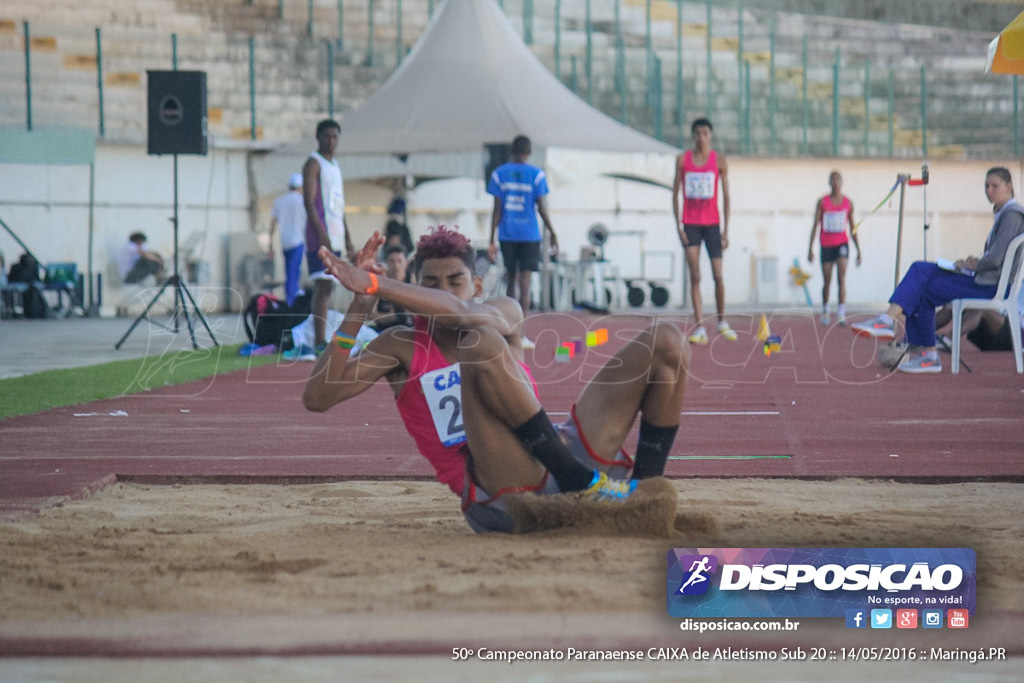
(56, 388)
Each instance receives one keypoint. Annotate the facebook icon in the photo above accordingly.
(856, 618)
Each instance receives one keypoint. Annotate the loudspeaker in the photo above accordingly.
(177, 112)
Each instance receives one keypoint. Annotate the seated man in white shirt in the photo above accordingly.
(135, 263)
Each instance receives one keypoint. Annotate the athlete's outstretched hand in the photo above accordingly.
(366, 258)
(351, 277)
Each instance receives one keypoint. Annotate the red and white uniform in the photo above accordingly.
(835, 221)
(430, 404)
(700, 190)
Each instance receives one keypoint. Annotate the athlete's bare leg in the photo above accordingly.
(322, 290)
(716, 273)
(647, 376)
(525, 278)
(693, 265)
(496, 397)
(841, 264)
(826, 273)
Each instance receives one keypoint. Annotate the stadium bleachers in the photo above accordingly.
(968, 113)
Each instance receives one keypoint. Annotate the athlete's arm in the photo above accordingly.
(445, 309)
(513, 313)
(814, 230)
(723, 172)
(542, 209)
(310, 182)
(853, 235)
(677, 187)
(337, 376)
(349, 249)
(492, 248)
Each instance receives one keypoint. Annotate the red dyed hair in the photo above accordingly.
(440, 242)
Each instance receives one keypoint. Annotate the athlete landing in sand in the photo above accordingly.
(469, 401)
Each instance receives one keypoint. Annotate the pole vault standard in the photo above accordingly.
(903, 180)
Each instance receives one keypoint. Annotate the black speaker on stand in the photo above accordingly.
(176, 125)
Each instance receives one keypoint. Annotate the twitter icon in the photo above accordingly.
(881, 618)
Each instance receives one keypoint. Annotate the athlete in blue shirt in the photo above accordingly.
(519, 190)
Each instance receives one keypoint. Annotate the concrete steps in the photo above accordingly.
(291, 70)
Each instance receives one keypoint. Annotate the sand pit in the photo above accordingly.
(393, 561)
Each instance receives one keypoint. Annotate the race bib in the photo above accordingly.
(700, 185)
(834, 221)
(443, 391)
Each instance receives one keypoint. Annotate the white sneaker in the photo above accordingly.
(699, 336)
(826, 319)
(726, 332)
(527, 343)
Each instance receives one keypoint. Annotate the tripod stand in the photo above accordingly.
(181, 293)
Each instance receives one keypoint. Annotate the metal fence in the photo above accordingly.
(774, 84)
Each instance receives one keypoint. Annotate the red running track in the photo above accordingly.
(821, 407)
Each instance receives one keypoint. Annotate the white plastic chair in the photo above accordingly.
(1005, 301)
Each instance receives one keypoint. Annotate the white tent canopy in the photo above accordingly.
(468, 81)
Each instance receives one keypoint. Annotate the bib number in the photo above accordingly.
(700, 185)
(834, 221)
(443, 391)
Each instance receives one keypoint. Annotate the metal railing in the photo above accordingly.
(771, 89)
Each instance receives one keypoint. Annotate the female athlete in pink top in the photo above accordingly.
(834, 217)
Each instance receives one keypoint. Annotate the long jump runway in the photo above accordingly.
(820, 407)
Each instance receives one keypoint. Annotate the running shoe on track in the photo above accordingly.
(878, 327)
(921, 363)
(726, 332)
(300, 352)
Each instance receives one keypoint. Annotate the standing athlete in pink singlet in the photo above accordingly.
(698, 174)
(834, 215)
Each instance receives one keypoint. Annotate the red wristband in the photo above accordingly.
(374, 284)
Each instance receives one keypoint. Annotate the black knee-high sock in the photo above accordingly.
(652, 449)
(539, 437)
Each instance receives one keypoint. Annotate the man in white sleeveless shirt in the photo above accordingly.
(324, 194)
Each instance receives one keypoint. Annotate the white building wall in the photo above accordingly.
(773, 204)
(48, 207)
(772, 207)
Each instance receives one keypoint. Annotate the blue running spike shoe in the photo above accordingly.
(603, 488)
